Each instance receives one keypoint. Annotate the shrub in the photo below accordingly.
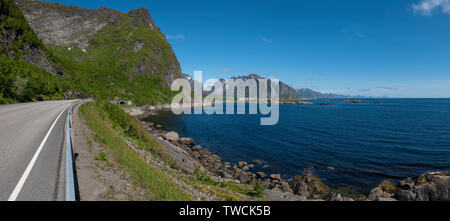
(258, 190)
(102, 157)
(203, 177)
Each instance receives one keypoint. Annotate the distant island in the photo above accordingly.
(312, 94)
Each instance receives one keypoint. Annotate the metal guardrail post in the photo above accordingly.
(70, 178)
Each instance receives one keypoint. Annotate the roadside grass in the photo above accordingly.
(108, 132)
(226, 190)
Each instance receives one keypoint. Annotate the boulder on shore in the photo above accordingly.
(197, 148)
(187, 141)
(309, 185)
(172, 136)
(260, 175)
(242, 164)
(428, 187)
(383, 192)
(275, 177)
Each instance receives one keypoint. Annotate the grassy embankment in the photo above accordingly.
(112, 127)
(109, 126)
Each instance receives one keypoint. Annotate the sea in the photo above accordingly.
(352, 145)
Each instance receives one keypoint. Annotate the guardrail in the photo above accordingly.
(70, 176)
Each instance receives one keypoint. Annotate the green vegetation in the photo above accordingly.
(23, 82)
(102, 157)
(203, 177)
(258, 190)
(20, 81)
(348, 192)
(109, 131)
(11, 18)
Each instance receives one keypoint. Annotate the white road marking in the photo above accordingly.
(24, 177)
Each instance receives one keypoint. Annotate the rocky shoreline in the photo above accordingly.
(188, 155)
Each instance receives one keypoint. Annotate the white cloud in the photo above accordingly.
(426, 7)
(180, 37)
(360, 35)
(266, 40)
(225, 70)
(387, 88)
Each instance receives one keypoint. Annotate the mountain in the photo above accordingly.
(286, 92)
(309, 93)
(28, 71)
(104, 52)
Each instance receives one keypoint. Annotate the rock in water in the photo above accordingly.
(257, 162)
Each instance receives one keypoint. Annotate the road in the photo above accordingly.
(31, 145)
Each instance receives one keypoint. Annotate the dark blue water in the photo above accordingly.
(365, 142)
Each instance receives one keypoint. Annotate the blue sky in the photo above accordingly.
(390, 48)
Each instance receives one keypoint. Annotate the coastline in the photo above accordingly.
(429, 186)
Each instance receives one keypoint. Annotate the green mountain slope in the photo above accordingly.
(27, 71)
(107, 53)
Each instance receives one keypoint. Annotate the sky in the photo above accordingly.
(389, 48)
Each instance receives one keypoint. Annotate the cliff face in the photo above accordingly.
(125, 52)
(66, 26)
(18, 41)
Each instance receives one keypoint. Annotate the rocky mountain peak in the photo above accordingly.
(141, 16)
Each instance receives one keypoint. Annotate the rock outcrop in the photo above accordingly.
(309, 185)
(67, 26)
(428, 187)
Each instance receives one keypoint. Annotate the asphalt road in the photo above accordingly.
(23, 129)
